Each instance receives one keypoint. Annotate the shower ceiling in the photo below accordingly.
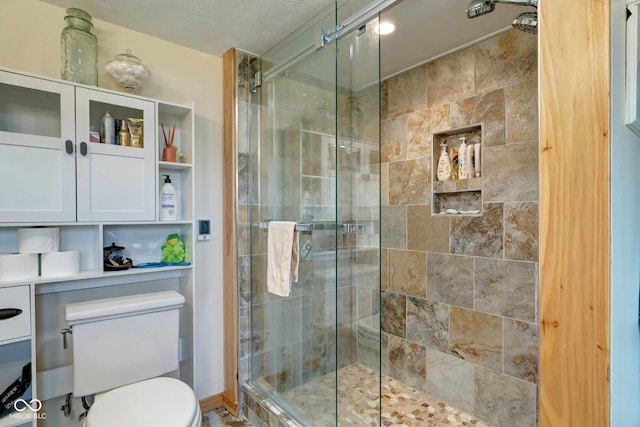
(424, 28)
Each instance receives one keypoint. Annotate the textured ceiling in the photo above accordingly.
(425, 29)
(210, 26)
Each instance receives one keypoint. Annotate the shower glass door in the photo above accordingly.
(315, 148)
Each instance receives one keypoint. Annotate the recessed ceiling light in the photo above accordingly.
(385, 28)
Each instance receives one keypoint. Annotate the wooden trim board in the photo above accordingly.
(210, 403)
(230, 274)
(574, 213)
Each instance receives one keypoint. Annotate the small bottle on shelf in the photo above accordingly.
(462, 159)
(476, 160)
(168, 201)
(444, 164)
(124, 137)
(107, 129)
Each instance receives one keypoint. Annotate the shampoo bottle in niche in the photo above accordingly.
(168, 201)
(462, 159)
(471, 160)
(444, 164)
(476, 162)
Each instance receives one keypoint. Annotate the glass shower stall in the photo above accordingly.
(315, 159)
(417, 298)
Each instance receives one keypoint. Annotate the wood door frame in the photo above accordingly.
(230, 254)
(574, 212)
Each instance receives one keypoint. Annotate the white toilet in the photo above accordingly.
(121, 346)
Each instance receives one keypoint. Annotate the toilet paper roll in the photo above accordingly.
(38, 240)
(15, 267)
(60, 264)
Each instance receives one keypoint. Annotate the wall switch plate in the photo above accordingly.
(204, 229)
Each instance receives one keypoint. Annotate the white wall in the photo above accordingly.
(30, 42)
(625, 241)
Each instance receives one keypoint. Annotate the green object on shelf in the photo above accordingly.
(173, 250)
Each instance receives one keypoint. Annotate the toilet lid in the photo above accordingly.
(158, 402)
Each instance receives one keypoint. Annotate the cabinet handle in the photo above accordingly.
(83, 148)
(68, 146)
(8, 313)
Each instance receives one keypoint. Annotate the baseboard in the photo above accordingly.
(231, 405)
(212, 402)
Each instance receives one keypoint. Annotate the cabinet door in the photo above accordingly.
(114, 182)
(37, 154)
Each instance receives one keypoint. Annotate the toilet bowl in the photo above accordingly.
(157, 402)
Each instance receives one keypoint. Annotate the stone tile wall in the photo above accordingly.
(459, 299)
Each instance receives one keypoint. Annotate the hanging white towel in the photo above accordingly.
(282, 257)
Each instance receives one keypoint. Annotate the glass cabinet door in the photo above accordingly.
(37, 150)
(115, 182)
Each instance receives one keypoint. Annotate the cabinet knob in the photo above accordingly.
(68, 146)
(83, 148)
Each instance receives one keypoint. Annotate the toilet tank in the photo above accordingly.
(119, 341)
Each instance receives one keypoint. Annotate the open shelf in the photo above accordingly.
(464, 196)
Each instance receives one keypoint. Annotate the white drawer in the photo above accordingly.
(16, 297)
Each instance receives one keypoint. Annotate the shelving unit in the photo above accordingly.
(17, 347)
(117, 191)
(462, 195)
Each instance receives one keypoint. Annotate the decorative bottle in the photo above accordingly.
(444, 164)
(79, 48)
(462, 159)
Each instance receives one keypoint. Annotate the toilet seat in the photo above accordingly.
(157, 402)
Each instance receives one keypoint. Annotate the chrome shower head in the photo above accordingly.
(527, 22)
(480, 7)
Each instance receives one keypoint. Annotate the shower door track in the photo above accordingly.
(323, 38)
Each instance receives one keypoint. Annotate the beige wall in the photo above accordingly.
(30, 42)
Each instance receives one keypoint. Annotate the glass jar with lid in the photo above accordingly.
(79, 48)
(128, 70)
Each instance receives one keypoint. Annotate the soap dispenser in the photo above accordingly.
(168, 201)
(444, 164)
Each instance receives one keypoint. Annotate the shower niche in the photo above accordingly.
(458, 196)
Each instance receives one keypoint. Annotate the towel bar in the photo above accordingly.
(308, 227)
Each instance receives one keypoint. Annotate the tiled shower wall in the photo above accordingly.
(459, 311)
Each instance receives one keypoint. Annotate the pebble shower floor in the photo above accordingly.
(402, 406)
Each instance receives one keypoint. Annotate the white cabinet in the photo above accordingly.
(49, 162)
(96, 194)
(114, 182)
(37, 165)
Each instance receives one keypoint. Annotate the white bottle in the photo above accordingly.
(462, 159)
(444, 164)
(470, 160)
(168, 201)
